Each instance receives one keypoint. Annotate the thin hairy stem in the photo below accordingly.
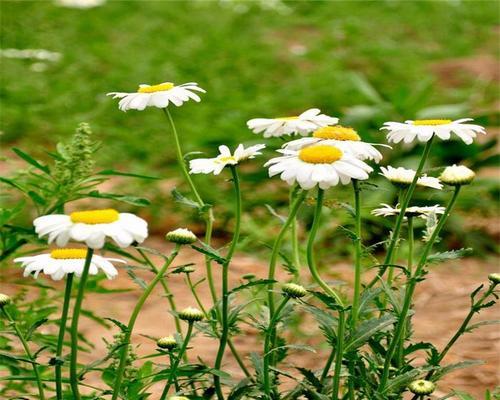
(60, 339)
(410, 289)
(130, 327)
(295, 234)
(27, 350)
(73, 373)
(225, 283)
(173, 368)
(269, 340)
(399, 220)
(357, 255)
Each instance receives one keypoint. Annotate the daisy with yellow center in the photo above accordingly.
(217, 164)
(159, 96)
(318, 165)
(424, 129)
(344, 138)
(92, 227)
(302, 124)
(60, 262)
(414, 211)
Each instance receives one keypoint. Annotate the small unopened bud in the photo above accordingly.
(167, 342)
(4, 300)
(188, 269)
(494, 278)
(421, 387)
(191, 314)
(181, 236)
(293, 290)
(457, 175)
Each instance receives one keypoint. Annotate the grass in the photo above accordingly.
(366, 61)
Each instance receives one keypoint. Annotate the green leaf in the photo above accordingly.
(449, 255)
(482, 323)
(34, 327)
(442, 371)
(135, 201)
(462, 395)
(30, 160)
(112, 172)
(120, 325)
(210, 252)
(142, 284)
(401, 381)
(252, 283)
(179, 198)
(367, 329)
(37, 198)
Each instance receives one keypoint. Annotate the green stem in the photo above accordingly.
(209, 218)
(269, 340)
(73, 373)
(328, 365)
(172, 362)
(399, 220)
(196, 297)
(276, 249)
(133, 318)
(173, 369)
(225, 283)
(60, 340)
(166, 289)
(294, 234)
(27, 350)
(357, 257)
(411, 289)
(314, 272)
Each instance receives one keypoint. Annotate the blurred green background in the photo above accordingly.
(365, 62)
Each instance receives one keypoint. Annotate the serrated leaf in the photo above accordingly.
(134, 200)
(34, 327)
(120, 325)
(179, 198)
(442, 371)
(142, 284)
(482, 323)
(210, 252)
(401, 381)
(367, 329)
(449, 255)
(252, 283)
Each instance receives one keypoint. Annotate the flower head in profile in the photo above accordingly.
(302, 124)
(457, 175)
(344, 138)
(60, 262)
(217, 164)
(181, 236)
(191, 314)
(424, 129)
(324, 166)
(404, 177)
(159, 96)
(414, 211)
(92, 227)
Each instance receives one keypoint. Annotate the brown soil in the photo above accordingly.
(441, 304)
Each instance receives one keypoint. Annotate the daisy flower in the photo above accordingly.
(92, 227)
(217, 164)
(346, 139)
(60, 262)
(303, 124)
(404, 177)
(415, 211)
(424, 129)
(321, 165)
(159, 96)
(457, 175)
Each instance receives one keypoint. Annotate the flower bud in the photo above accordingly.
(4, 300)
(191, 314)
(457, 175)
(494, 278)
(181, 236)
(293, 290)
(167, 342)
(421, 387)
(188, 269)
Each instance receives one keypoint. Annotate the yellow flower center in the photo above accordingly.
(226, 159)
(337, 133)
(320, 154)
(95, 216)
(432, 121)
(156, 88)
(287, 118)
(68, 254)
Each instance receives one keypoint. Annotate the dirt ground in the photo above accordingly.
(441, 304)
